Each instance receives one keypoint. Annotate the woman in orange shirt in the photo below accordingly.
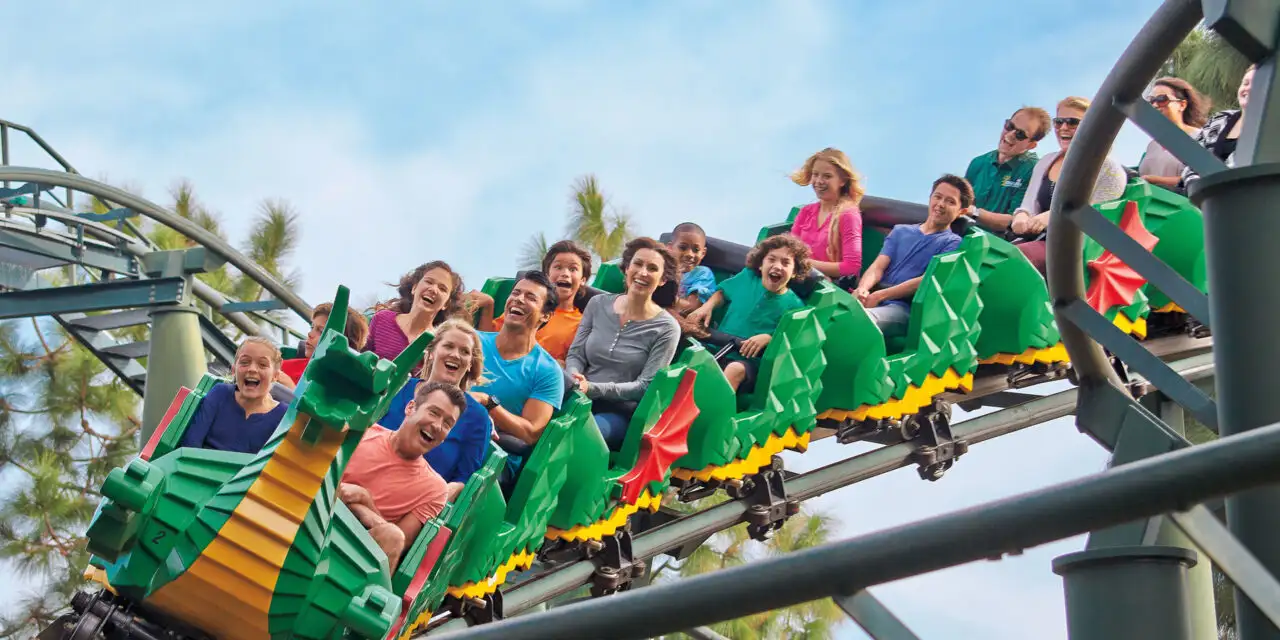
(568, 266)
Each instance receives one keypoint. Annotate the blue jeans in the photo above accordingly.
(613, 426)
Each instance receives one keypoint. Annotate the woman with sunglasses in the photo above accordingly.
(1178, 101)
(1031, 220)
(1222, 131)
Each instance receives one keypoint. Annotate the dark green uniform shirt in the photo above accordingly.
(999, 188)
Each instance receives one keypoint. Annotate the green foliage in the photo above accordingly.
(733, 547)
(596, 223)
(593, 222)
(1211, 65)
(65, 422)
(531, 253)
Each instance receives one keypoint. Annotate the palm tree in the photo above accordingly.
(531, 252)
(1210, 64)
(65, 421)
(594, 222)
(733, 547)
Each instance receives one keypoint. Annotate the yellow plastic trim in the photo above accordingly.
(915, 399)
(1056, 353)
(519, 561)
(94, 574)
(1133, 327)
(227, 591)
(759, 457)
(1172, 307)
(608, 525)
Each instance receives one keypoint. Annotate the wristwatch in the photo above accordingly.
(490, 403)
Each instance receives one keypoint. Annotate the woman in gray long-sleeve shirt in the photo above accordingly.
(625, 339)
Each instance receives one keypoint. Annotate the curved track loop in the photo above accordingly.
(1065, 245)
(151, 210)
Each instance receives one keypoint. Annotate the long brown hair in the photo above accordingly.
(409, 280)
(852, 190)
(1196, 113)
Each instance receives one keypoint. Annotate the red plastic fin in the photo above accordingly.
(169, 414)
(1112, 282)
(665, 443)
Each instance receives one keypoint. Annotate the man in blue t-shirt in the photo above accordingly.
(523, 385)
(906, 254)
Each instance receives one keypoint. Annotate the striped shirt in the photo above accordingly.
(387, 339)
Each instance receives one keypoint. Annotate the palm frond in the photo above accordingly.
(587, 222)
(532, 252)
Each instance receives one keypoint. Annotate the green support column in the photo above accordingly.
(1120, 593)
(1241, 224)
(176, 355)
(1203, 609)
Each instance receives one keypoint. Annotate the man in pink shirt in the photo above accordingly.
(388, 485)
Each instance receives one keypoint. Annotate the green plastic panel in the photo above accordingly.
(856, 373)
(711, 440)
(944, 317)
(1016, 312)
(537, 490)
(587, 486)
(609, 277)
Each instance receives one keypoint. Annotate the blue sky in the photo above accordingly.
(405, 132)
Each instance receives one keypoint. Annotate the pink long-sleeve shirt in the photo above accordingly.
(806, 228)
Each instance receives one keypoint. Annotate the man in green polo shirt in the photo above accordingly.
(1000, 177)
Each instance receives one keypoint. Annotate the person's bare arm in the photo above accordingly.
(411, 526)
(455, 488)
(896, 292)
(993, 221)
(360, 502)
(528, 425)
(872, 276)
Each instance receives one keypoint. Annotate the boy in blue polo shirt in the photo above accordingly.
(758, 297)
(906, 254)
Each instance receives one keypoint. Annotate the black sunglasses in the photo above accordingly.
(1160, 101)
(1058, 122)
(1017, 133)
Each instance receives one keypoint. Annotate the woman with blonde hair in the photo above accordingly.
(832, 226)
(456, 357)
(240, 415)
(1031, 220)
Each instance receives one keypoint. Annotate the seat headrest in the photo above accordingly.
(961, 225)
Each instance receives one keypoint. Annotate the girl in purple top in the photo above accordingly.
(832, 226)
(428, 295)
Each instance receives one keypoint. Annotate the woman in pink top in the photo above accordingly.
(428, 296)
(832, 226)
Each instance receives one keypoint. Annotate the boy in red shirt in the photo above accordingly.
(388, 485)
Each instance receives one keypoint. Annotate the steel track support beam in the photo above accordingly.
(873, 617)
(118, 294)
(1239, 217)
(176, 357)
(1130, 554)
(1118, 593)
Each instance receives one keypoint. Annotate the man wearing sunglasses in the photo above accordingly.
(1000, 177)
